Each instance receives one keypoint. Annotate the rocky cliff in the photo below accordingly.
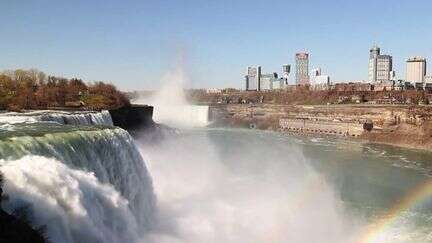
(16, 228)
(408, 126)
(133, 118)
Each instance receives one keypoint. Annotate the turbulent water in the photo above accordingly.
(228, 185)
(87, 181)
(61, 117)
(182, 115)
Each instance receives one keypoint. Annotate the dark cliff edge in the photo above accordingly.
(17, 228)
(13, 229)
(133, 118)
(138, 121)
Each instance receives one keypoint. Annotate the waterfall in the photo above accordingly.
(61, 117)
(87, 185)
(182, 115)
(92, 118)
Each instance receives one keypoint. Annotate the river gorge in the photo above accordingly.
(89, 181)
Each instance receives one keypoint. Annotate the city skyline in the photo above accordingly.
(134, 44)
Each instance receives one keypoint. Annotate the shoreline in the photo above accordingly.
(399, 126)
(356, 139)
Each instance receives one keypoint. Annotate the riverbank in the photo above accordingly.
(403, 126)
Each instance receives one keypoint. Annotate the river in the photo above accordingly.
(88, 181)
(233, 185)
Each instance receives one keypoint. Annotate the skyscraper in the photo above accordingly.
(286, 69)
(380, 66)
(267, 80)
(302, 68)
(252, 78)
(415, 69)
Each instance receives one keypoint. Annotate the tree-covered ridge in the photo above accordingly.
(33, 89)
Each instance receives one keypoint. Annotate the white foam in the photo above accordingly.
(60, 117)
(73, 204)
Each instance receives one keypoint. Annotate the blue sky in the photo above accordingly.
(133, 43)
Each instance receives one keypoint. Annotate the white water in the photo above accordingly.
(235, 187)
(249, 193)
(213, 186)
(85, 186)
(183, 116)
(74, 204)
(60, 117)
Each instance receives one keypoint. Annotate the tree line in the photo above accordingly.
(305, 96)
(33, 89)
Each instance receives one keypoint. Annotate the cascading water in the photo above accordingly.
(85, 183)
(90, 184)
(61, 117)
(182, 115)
(99, 118)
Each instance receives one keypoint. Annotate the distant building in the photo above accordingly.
(380, 66)
(213, 91)
(393, 75)
(286, 69)
(408, 86)
(315, 72)
(302, 68)
(419, 86)
(256, 81)
(415, 69)
(322, 80)
(384, 86)
(319, 81)
(428, 83)
(267, 80)
(252, 78)
(279, 84)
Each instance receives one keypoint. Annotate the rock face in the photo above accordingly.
(310, 126)
(407, 126)
(14, 230)
(133, 118)
(138, 121)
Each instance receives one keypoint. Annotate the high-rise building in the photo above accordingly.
(302, 68)
(255, 80)
(415, 69)
(286, 69)
(252, 78)
(373, 55)
(267, 81)
(380, 66)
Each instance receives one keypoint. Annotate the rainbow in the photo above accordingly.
(414, 197)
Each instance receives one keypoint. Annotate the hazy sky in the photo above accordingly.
(133, 43)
